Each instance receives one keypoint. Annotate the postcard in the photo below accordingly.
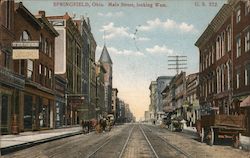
(125, 78)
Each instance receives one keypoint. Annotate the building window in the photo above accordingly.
(8, 14)
(45, 71)
(238, 79)
(30, 65)
(46, 47)
(218, 48)
(25, 36)
(223, 44)
(40, 69)
(213, 54)
(50, 74)
(247, 74)
(229, 36)
(247, 41)
(50, 50)
(238, 16)
(41, 41)
(238, 47)
(247, 7)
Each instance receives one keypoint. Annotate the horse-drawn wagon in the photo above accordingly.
(214, 127)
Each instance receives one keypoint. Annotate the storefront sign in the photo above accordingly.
(25, 50)
(25, 54)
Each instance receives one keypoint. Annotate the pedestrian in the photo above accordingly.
(104, 124)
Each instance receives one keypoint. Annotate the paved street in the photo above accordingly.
(129, 141)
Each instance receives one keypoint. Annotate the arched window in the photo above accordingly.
(25, 36)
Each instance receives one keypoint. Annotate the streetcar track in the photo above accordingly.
(171, 145)
(100, 147)
(156, 155)
(126, 143)
(107, 141)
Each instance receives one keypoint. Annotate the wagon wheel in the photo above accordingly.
(236, 140)
(202, 135)
(211, 136)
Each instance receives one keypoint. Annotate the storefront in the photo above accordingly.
(11, 86)
(60, 113)
(37, 110)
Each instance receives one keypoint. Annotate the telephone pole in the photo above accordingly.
(177, 63)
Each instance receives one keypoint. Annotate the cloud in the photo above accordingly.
(111, 31)
(169, 24)
(125, 52)
(160, 50)
(111, 14)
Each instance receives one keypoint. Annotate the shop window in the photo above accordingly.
(4, 113)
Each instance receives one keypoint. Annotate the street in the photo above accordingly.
(130, 141)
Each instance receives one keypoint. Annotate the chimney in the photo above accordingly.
(42, 13)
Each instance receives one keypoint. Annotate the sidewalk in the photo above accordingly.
(244, 141)
(11, 143)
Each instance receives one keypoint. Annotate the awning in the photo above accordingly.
(245, 102)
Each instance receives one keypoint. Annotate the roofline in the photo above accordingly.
(20, 6)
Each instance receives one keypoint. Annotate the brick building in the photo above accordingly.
(100, 90)
(38, 107)
(11, 83)
(215, 46)
(241, 57)
(68, 64)
(224, 61)
(108, 65)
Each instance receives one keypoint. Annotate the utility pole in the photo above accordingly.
(177, 63)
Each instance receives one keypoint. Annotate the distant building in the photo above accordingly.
(120, 115)
(152, 106)
(100, 90)
(106, 61)
(147, 116)
(193, 107)
(114, 100)
(162, 81)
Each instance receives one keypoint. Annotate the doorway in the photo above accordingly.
(27, 115)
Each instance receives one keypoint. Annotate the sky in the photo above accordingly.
(139, 37)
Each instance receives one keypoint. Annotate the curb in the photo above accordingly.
(14, 148)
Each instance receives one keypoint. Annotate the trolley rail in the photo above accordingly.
(149, 141)
(108, 140)
(152, 148)
(171, 145)
(126, 143)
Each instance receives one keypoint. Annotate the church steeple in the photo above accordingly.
(105, 58)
